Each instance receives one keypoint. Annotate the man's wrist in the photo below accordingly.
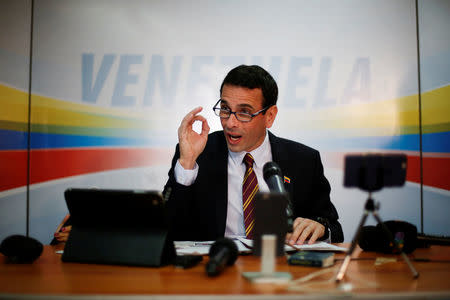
(187, 164)
(185, 176)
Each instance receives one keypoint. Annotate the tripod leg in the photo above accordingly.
(395, 244)
(344, 266)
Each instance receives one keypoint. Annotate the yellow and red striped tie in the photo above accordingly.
(249, 189)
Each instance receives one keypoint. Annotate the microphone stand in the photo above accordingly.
(372, 208)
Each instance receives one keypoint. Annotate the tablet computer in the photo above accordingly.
(126, 227)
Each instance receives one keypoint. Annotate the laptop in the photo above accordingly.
(124, 227)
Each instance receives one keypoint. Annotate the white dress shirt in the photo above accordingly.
(236, 171)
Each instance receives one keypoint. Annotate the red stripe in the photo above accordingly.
(413, 169)
(436, 169)
(436, 172)
(58, 163)
(51, 164)
(13, 169)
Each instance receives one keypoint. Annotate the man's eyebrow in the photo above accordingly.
(243, 105)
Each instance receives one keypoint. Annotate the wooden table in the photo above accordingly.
(49, 277)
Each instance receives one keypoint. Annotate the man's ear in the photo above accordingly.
(270, 115)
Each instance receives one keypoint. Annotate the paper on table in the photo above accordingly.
(202, 248)
(318, 246)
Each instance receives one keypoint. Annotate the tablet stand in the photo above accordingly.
(372, 208)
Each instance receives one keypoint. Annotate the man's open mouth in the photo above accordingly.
(234, 138)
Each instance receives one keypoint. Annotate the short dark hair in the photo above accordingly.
(253, 77)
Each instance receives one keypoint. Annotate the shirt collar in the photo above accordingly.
(261, 155)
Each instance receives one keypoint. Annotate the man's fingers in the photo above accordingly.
(297, 221)
(191, 115)
(316, 234)
(205, 128)
(297, 231)
(304, 229)
(188, 121)
(305, 234)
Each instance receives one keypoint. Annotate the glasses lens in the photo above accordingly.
(243, 117)
(223, 113)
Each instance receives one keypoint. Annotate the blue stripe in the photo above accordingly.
(13, 140)
(404, 142)
(436, 142)
(432, 142)
(48, 141)
(17, 140)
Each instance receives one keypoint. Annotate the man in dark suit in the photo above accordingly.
(208, 174)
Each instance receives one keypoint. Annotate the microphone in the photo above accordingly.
(272, 175)
(21, 249)
(223, 252)
(375, 238)
(274, 179)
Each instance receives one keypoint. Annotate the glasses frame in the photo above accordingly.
(218, 109)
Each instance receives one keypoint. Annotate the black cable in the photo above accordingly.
(29, 122)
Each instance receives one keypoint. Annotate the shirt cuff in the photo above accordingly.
(183, 176)
(328, 240)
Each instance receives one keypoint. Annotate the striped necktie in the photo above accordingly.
(249, 189)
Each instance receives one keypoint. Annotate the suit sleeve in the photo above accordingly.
(321, 203)
(179, 197)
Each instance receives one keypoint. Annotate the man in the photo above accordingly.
(208, 180)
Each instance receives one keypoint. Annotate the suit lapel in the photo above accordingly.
(281, 157)
(221, 194)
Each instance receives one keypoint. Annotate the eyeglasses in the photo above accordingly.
(225, 113)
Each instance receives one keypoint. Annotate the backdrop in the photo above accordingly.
(92, 93)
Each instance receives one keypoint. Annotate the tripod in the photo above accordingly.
(372, 208)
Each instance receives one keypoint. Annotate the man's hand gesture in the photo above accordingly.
(192, 143)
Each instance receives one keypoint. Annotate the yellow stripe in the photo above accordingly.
(250, 197)
(247, 173)
(246, 176)
(249, 184)
(436, 106)
(14, 105)
(248, 216)
(250, 227)
(247, 203)
(254, 192)
(256, 187)
(376, 118)
(49, 111)
(386, 117)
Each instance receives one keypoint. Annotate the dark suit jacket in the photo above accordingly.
(198, 212)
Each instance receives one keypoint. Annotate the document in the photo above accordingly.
(202, 248)
(318, 246)
(245, 246)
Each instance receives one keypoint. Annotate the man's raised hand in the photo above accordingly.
(192, 143)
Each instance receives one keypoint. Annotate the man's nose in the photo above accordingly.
(232, 121)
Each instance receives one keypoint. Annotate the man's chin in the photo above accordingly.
(234, 147)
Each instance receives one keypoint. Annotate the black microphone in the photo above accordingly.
(21, 249)
(223, 252)
(274, 179)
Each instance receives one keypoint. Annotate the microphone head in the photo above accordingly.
(374, 238)
(271, 168)
(369, 238)
(21, 249)
(225, 243)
